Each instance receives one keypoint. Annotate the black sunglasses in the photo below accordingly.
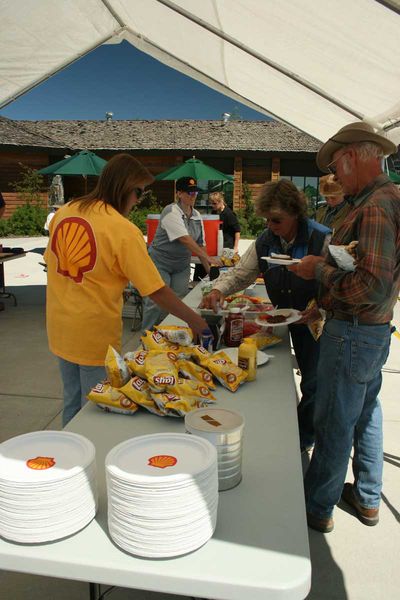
(139, 192)
(275, 221)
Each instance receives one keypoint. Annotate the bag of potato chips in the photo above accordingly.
(138, 390)
(228, 374)
(153, 340)
(189, 388)
(190, 370)
(200, 355)
(161, 370)
(264, 340)
(111, 400)
(136, 362)
(182, 336)
(116, 369)
(175, 406)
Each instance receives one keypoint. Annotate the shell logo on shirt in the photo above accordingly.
(74, 245)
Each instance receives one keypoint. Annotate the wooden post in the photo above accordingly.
(237, 183)
(276, 168)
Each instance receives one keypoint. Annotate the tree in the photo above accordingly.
(29, 186)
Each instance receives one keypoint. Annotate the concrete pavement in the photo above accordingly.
(353, 562)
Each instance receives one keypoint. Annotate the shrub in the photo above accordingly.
(26, 220)
(148, 206)
(251, 225)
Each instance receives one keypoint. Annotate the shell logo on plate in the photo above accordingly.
(162, 461)
(74, 245)
(40, 463)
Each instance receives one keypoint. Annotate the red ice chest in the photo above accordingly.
(211, 226)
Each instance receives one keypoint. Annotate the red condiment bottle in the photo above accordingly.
(233, 334)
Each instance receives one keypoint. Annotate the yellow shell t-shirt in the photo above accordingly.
(90, 257)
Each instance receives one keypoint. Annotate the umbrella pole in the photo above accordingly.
(85, 178)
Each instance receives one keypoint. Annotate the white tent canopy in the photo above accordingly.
(315, 64)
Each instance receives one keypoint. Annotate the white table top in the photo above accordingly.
(260, 547)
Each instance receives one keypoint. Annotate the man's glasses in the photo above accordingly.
(332, 167)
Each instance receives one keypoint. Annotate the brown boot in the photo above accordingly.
(321, 525)
(367, 516)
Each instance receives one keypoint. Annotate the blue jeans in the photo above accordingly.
(347, 413)
(306, 350)
(77, 383)
(177, 281)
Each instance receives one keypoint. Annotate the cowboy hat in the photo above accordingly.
(350, 134)
(329, 186)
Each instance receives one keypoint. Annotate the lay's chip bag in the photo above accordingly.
(189, 388)
(200, 355)
(136, 362)
(111, 400)
(138, 390)
(161, 370)
(182, 336)
(189, 370)
(116, 369)
(228, 374)
(176, 406)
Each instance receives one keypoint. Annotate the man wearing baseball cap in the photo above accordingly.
(356, 337)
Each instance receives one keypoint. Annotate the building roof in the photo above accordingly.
(233, 136)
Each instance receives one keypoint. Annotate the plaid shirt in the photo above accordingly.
(371, 290)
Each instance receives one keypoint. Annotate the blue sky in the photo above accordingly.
(120, 79)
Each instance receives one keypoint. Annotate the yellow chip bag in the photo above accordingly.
(116, 369)
(174, 406)
(200, 355)
(189, 388)
(190, 370)
(111, 400)
(136, 362)
(263, 340)
(138, 389)
(182, 336)
(153, 340)
(161, 370)
(228, 374)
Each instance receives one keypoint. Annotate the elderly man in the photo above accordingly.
(356, 337)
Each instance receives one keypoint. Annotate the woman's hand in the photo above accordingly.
(213, 300)
(197, 324)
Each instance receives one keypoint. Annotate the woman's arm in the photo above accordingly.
(189, 242)
(169, 302)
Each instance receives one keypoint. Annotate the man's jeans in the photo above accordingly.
(77, 381)
(306, 350)
(178, 281)
(347, 412)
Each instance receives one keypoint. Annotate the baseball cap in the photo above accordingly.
(187, 184)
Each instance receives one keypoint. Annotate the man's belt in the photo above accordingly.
(332, 314)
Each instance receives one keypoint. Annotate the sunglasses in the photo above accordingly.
(275, 221)
(139, 192)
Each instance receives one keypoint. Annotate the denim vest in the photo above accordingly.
(284, 288)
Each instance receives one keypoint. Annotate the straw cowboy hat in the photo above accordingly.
(329, 186)
(350, 134)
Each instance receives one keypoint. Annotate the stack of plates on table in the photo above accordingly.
(47, 486)
(162, 494)
(224, 429)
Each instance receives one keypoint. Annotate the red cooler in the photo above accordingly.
(211, 227)
(152, 224)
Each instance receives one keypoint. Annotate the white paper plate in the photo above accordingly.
(281, 261)
(292, 315)
(262, 358)
(135, 460)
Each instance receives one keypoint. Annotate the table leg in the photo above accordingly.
(94, 591)
(3, 293)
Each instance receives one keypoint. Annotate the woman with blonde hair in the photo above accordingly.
(333, 213)
(93, 252)
(289, 231)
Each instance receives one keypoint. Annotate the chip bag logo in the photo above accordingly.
(231, 378)
(172, 356)
(138, 383)
(99, 388)
(140, 358)
(40, 463)
(74, 245)
(164, 379)
(220, 361)
(162, 461)
(125, 402)
(204, 391)
(157, 337)
(207, 377)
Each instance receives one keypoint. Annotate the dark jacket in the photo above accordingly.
(284, 288)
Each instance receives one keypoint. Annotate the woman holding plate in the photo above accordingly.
(290, 234)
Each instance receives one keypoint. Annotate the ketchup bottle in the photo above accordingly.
(233, 328)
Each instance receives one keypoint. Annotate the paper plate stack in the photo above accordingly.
(47, 486)
(224, 429)
(162, 494)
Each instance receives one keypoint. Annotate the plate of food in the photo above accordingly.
(262, 358)
(281, 259)
(280, 316)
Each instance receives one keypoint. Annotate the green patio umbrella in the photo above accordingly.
(83, 163)
(194, 168)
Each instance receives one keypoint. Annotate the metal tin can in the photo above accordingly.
(207, 339)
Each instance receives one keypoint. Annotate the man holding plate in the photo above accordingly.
(290, 233)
